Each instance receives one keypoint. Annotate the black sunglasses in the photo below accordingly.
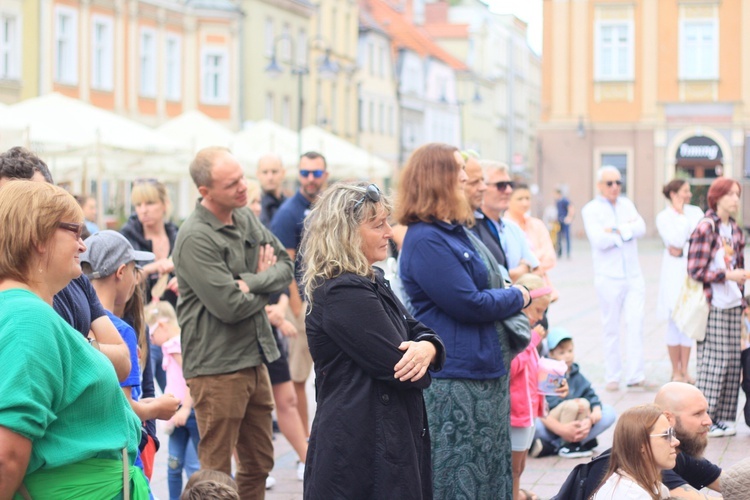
(316, 173)
(503, 185)
(372, 193)
(609, 183)
(72, 227)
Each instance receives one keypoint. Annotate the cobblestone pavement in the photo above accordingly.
(578, 311)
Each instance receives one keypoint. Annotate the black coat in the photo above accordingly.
(133, 231)
(370, 437)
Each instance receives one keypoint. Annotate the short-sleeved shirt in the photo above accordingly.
(58, 391)
(128, 336)
(697, 472)
(288, 223)
(78, 304)
(175, 380)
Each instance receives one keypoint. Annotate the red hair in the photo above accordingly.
(719, 188)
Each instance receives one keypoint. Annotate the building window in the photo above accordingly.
(148, 63)
(381, 62)
(390, 120)
(334, 107)
(286, 112)
(301, 48)
(381, 118)
(285, 46)
(10, 47)
(619, 161)
(268, 37)
(371, 117)
(173, 70)
(614, 50)
(215, 76)
(102, 49)
(371, 58)
(699, 49)
(66, 45)
(269, 107)
(361, 114)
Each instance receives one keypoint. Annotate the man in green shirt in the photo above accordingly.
(227, 264)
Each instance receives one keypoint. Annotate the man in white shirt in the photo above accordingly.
(613, 226)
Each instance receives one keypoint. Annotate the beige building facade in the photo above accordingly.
(279, 31)
(659, 89)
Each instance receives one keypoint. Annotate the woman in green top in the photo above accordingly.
(66, 429)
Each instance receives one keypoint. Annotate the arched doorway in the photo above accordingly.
(699, 160)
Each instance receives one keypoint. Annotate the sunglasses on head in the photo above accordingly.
(668, 436)
(316, 173)
(610, 183)
(372, 193)
(503, 185)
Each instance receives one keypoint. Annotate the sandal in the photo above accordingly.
(528, 495)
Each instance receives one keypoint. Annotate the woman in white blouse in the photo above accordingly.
(675, 224)
(644, 444)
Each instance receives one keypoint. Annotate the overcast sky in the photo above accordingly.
(528, 10)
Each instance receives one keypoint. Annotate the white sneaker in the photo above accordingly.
(270, 482)
(300, 471)
(718, 429)
(731, 430)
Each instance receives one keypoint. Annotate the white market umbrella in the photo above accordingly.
(59, 124)
(264, 137)
(345, 160)
(194, 131)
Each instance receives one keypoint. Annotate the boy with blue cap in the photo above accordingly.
(572, 424)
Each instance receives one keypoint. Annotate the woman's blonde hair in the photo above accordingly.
(29, 216)
(253, 189)
(151, 191)
(133, 313)
(332, 244)
(161, 311)
(631, 448)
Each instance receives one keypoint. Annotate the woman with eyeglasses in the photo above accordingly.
(66, 429)
(448, 282)
(370, 437)
(675, 225)
(644, 445)
(716, 259)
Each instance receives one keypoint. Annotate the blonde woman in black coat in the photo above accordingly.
(370, 437)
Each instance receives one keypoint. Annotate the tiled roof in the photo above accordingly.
(405, 35)
(366, 21)
(447, 30)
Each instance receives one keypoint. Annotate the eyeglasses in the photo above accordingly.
(668, 436)
(503, 185)
(72, 227)
(609, 183)
(316, 173)
(372, 193)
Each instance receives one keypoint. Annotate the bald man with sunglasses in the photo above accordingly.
(613, 226)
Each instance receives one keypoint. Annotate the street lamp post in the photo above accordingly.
(327, 69)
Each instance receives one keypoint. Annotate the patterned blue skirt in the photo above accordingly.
(470, 429)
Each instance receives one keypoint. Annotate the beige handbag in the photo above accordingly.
(690, 314)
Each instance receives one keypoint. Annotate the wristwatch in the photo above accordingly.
(94, 343)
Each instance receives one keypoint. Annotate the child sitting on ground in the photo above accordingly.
(165, 334)
(572, 424)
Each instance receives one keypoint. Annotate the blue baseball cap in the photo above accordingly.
(557, 335)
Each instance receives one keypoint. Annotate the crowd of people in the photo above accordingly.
(429, 382)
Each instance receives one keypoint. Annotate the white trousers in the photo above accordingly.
(619, 297)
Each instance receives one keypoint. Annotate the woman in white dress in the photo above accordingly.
(675, 224)
(643, 445)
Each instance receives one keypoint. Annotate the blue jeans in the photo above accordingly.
(183, 452)
(156, 359)
(564, 232)
(608, 418)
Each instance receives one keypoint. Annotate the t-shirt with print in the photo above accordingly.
(78, 304)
